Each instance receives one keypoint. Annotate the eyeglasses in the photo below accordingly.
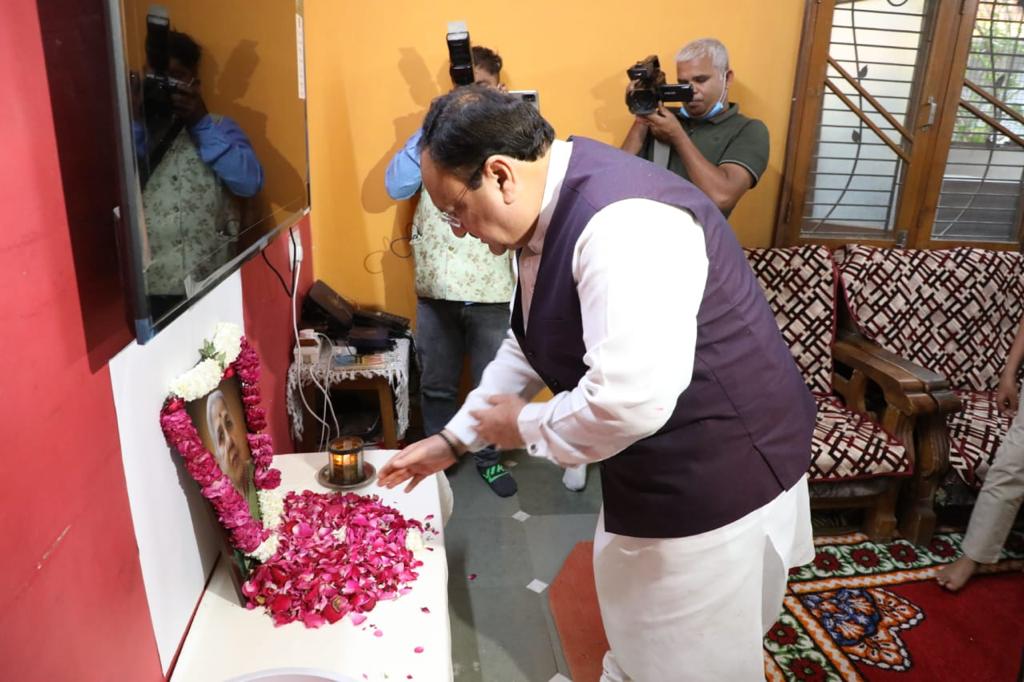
(452, 220)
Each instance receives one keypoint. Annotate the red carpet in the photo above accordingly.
(573, 601)
(860, 611)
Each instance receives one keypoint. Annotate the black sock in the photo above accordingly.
(499, 479)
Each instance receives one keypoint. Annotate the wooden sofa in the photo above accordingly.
(878, 422)
(955, 312)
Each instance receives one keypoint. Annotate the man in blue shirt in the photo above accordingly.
(463, 292)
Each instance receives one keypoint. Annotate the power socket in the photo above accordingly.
(307, 352)
(294, 246)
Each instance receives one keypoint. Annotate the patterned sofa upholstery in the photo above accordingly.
(953, 311)
(861, 456)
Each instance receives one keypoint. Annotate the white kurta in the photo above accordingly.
(673, 609)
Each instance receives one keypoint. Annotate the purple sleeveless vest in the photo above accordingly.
(740, 433)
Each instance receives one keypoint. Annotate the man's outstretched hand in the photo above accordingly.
(416, 462)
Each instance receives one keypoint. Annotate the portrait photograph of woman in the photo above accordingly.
(219, 417)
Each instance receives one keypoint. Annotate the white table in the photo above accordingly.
(229, 642)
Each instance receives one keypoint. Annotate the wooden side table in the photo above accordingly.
(388, 379)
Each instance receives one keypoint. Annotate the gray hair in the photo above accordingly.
(706, 47)
(215, 397)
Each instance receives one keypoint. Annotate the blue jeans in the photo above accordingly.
(447, 331)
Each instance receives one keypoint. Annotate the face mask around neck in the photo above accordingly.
(718, 108)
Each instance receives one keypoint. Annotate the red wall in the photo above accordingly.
(268, 325)
(72, 604)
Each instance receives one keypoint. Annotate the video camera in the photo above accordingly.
(460, 54)
(650, 89)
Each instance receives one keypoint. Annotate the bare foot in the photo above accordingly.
(955, 575)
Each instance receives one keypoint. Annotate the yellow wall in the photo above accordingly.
(248, 72)
(373, 68)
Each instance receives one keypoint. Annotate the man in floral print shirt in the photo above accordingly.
(463, 291)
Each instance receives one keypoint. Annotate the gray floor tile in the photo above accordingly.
(492, 549)
(550, 539)
(541, 490)
(501, 631)
(465, 646)
(556, 641)
(510, 632)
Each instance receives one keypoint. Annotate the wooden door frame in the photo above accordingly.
(968, 11)
(949, 33)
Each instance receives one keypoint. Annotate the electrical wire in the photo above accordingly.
(325, 427)
(326, 391)
(280, 279)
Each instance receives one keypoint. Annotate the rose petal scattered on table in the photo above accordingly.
(338, 555)
(472, 576)
(418, 650)
(425, 610)
(378, 633)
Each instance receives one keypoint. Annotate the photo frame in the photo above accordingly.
(213, 418)
(219, 418)
(312, 557)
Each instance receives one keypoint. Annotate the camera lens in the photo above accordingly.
(642, 102)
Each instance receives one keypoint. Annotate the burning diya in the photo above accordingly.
(346, 469)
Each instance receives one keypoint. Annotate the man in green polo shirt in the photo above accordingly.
(707, 141)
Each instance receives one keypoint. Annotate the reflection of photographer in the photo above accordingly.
(194, 166)
(707, 140)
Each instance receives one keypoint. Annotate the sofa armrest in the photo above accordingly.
(917, 403)
(896, 374)
(932, 381)
(909, 388)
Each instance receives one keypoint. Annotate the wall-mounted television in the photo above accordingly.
(211, 107)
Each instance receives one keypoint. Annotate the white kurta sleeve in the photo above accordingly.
(640, 267)
(508, 372)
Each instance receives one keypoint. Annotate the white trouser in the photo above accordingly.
(697, 608)
(999, 499)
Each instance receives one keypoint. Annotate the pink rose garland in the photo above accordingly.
(337, 554)
(232, 511)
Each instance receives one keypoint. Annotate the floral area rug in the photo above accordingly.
(859, 611)
(873, 611)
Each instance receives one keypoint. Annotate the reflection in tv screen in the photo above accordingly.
(214, 117)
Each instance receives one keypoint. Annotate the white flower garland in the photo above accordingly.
(217, 355)
(267, 548)
(198, 381)
(227, 340)
(272, 509)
